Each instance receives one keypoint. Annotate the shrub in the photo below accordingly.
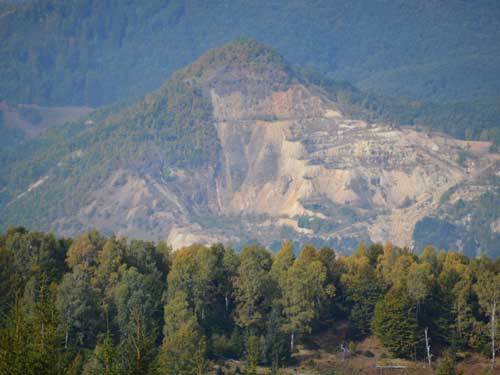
(311, 364)
(446, 365)
(352, 348)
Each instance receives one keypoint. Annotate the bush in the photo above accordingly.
(311, 364)
(352, 348)
(447, 365)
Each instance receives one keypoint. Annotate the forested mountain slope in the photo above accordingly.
(241, 146)
(94, 52)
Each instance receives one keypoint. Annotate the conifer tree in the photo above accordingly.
(363, 287)
(394, 323)
(16, 344)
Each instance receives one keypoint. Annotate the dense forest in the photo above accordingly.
(107, 305)
(97, 52)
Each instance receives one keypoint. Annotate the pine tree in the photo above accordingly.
(47, 335)
(363, 287)
(394, 323)
(31, 341)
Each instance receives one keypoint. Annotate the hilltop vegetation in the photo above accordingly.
(106, 305)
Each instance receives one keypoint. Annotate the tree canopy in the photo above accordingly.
(114, 306)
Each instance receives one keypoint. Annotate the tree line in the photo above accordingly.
(107, 305)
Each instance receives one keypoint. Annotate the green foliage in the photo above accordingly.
(177, 313)
(253, 287)
(488, 292)
(362, 287)
(352, 347)
(252, 355)
(275, 347)
(184, 352)
(35, 252)
(8, 280)
(447, 366)
(104, 359)
(30, 336)
(302, 290)
(394, 323)
(111, 312)
(203, 275)
(221, 347)
(137, 300)
(78, 307)
(98, 52)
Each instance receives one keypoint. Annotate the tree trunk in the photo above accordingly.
(42, 333)
(428, 347)
(292, 342)
(493, 333)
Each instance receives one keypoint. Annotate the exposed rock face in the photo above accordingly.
(289, 163)
(310, 157)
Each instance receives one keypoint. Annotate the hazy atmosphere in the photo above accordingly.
(249, 187)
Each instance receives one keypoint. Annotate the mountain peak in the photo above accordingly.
(243, 53)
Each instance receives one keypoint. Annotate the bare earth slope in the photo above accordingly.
(290, 161)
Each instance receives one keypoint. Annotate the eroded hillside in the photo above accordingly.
(268, 154)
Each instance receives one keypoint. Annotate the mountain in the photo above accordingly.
(96, 52)
(91, 53)
(241, 146)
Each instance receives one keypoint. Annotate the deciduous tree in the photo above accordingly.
(488, 291)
